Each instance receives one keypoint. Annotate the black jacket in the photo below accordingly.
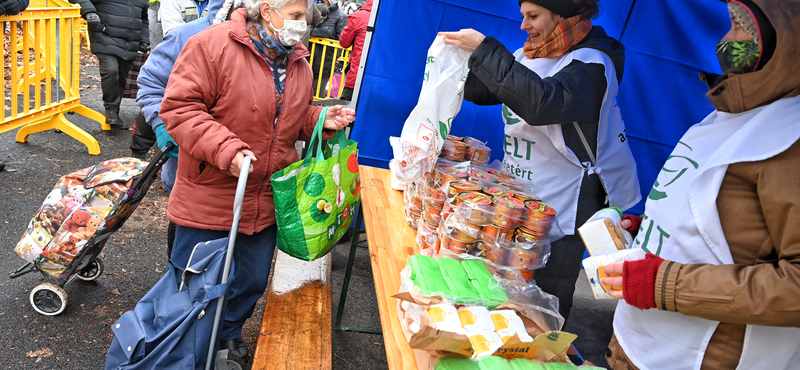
(333, 26)
(126, 26)
(574, 94)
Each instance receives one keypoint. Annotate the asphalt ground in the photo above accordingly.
(135, 258)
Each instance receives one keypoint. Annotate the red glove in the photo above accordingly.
(639, 281)
(636, 221)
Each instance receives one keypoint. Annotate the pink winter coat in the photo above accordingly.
(220, 99)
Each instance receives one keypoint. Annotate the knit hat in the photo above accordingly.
(564, 8)
(742, 16)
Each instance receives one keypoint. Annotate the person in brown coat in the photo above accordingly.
(720, 287)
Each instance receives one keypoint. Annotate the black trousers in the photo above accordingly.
(143, 137)
(559, 276)
(113, 71)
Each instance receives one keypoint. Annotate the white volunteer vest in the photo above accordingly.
(539, 158)
(681, 224)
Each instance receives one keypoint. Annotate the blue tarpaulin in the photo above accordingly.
(667, 44)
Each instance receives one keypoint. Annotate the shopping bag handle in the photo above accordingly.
(316, 138)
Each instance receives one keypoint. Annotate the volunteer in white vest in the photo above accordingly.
(564, 136)
(720, 288)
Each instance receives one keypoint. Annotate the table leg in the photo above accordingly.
(354, 244)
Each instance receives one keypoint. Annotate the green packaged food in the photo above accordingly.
(456, 363)
(523, 364)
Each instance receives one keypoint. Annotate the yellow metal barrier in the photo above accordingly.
(44, 72)
(339, 54)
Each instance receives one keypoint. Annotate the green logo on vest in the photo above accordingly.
(508, 116)
(671, 174)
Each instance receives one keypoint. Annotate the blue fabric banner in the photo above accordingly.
(667, 44)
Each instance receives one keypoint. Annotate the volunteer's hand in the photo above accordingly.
(94, 23)
(614, 281)
(236, 164)
(144, 47)
(162, 137)
(10, 7)
(467, 39)
(338, 117)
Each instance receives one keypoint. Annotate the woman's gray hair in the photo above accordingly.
(254, 7)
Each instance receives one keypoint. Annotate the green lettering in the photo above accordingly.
(430, 60)
(661, 239)
(516, 147)
(506, 144)
(528, 155)
(647, 237)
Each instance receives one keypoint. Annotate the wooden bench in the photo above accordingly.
(296, 327)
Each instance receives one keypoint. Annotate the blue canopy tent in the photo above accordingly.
(668, 43)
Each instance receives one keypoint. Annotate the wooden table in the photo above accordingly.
(391, 241)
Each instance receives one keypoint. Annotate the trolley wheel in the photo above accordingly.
(92, 271)
(233, 365)
(49, 299)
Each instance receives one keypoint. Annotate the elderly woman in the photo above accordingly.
(721, 289)
(562, 122)
(240, 88)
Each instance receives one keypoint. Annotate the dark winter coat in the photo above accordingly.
(333, 26)
(126, 26)
(496, 78)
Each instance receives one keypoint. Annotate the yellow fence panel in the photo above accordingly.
(44, 73)
(328, 58)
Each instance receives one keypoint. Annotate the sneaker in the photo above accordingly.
(112, 118)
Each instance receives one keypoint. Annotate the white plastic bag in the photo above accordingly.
(426, 128)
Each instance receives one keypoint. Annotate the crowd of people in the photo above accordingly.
(718, 287)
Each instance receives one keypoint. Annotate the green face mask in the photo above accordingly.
(739, 55)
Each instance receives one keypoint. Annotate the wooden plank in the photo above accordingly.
(391, 242)
(296, 326)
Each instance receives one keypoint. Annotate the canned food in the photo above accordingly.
(455, 245)
(492, 233)
(525, 235)
(508, 212)
(466, 233)
(501, 173)
(497, 191)
(416, 202)
(483, 249)
(474, 198)
(451, 152)
(523, 196)
(454, 138)
(447, 174)
(461, 186)
(528, 262)
(478, 154)
(476, 174)
(431, 218)
(459, 150)
(539, 217)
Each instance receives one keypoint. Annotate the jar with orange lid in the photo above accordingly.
(508, 212)
(539, 217)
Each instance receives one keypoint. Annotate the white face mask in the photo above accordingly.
(291, 33)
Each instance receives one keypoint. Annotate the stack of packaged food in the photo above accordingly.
(463, 206)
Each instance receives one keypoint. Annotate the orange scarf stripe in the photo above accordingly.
(567, 33)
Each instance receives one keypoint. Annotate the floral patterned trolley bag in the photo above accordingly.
(68, 232)
(315, 198)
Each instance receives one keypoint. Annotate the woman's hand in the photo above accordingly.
(338, 117)
(467, 39)
(614, 281)
(236, 164)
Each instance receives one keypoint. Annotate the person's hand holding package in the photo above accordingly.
(466, 39)
(633, 281)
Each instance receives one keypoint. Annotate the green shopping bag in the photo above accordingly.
(315, 198)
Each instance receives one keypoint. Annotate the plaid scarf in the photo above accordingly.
(567, 33)
(276, 56)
